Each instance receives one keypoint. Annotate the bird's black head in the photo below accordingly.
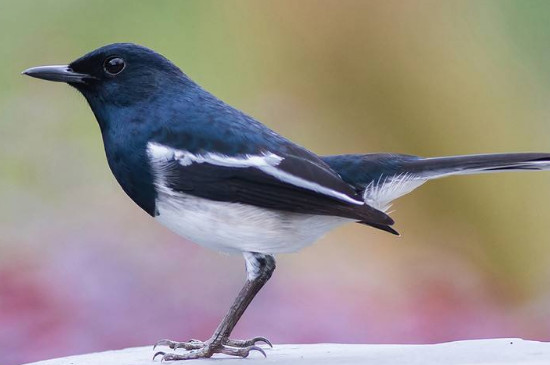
(132, 91)
(119, 74)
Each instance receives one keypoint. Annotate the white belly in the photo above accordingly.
(235, 228)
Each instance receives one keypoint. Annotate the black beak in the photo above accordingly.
(62, 73)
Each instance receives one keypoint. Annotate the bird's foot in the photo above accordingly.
(197, 344)
(199, 349)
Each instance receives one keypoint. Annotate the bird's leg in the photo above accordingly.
(259, 268)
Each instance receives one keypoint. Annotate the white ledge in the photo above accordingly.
(491, 351)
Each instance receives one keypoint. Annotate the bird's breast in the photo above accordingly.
(130, 166)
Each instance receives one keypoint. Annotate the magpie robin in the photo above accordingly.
(218, 177)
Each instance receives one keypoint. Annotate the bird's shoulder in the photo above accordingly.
(210, 132)
(202, 123)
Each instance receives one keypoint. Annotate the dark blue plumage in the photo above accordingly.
(222, 179)
(362, 170)
(152, 101)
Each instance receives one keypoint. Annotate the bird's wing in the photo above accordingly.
(292, 182)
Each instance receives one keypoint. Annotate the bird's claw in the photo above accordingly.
(157, 354)
(241, 351)
(207, 351)
(246, 343)
(189, 345)
(199, 349)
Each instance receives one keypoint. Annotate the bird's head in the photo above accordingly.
(119, 74)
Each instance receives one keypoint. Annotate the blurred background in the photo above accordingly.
(83, 269)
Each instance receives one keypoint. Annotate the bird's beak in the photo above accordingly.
(61, 73)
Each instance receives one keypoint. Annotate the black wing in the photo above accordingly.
(293, 184)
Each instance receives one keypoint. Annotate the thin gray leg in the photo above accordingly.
(259, 269)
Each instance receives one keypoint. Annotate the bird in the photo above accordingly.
(218, 177)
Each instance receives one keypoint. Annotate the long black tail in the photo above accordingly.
(384, 177)
(442, 166)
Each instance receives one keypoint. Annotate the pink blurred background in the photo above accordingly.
(82, 269)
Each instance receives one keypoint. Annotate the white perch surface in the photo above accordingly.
(490, 351)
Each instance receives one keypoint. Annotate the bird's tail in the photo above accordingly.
(384, 177)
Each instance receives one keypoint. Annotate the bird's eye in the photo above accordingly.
(114, 65)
